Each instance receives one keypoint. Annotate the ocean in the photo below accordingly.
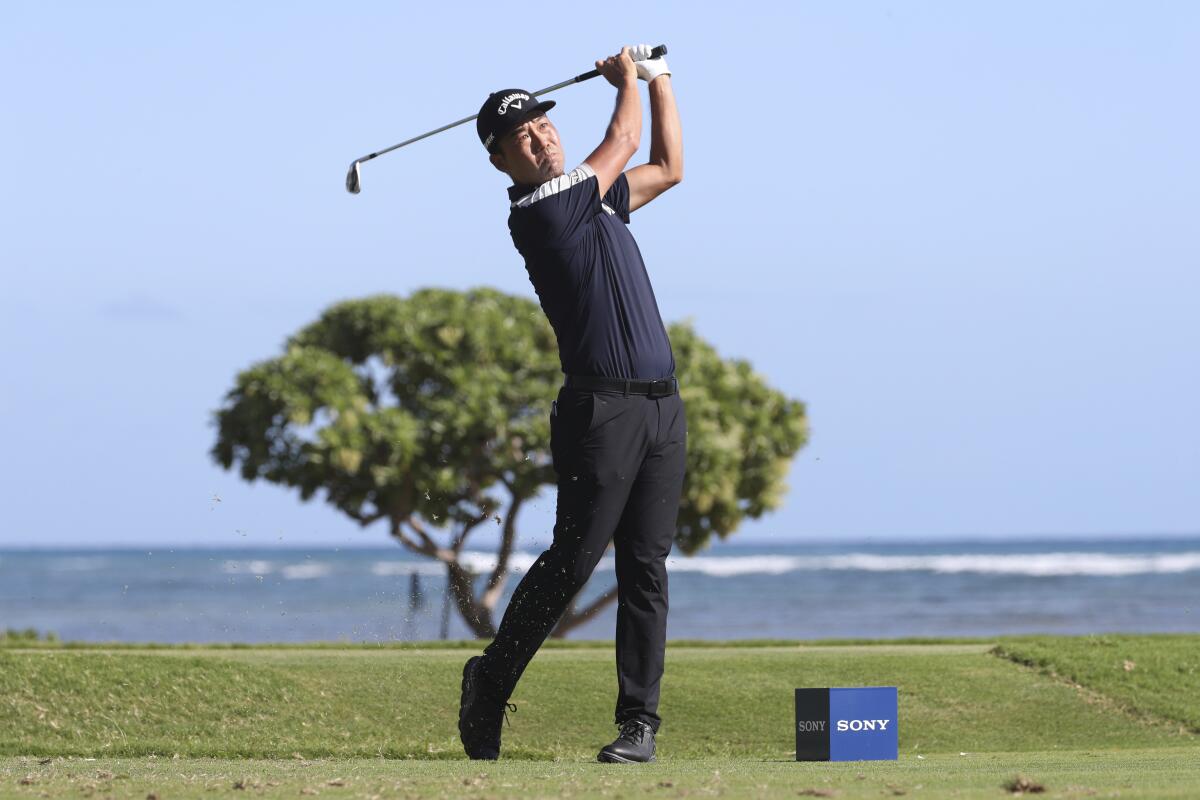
(730, 591)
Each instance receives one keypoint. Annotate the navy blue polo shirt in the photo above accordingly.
(589, 276)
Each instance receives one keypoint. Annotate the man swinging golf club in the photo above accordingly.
(617, 430)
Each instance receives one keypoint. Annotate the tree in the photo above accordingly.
(431, 413)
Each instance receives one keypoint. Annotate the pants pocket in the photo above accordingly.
(576, 412)
(572, 418)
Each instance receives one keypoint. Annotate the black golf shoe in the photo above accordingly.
(634, 744)
(480, 714)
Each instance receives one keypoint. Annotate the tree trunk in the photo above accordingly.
(475, 614)
(477, 611)
(573, 619)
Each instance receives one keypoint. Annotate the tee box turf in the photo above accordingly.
(853, 724)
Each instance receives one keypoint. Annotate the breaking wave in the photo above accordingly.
(1031, 564)
(306, 571)
(387, 569)
(1034, 564)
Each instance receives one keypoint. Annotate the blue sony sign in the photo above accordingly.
(847, 724)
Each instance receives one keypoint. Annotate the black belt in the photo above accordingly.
(659, 388)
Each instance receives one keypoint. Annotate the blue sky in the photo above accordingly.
(964, 234)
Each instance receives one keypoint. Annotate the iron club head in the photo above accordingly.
(352, 179)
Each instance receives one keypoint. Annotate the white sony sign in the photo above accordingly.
(862, 724)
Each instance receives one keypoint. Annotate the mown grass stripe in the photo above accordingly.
(354, 702)
(1156, 676)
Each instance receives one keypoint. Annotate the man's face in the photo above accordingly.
(530, 153)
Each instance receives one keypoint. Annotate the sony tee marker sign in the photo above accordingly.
(847, 724)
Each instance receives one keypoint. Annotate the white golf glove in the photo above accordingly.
(647, 68)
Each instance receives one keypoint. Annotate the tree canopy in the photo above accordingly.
(431, 413)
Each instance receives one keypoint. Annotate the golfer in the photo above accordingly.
(617, 430)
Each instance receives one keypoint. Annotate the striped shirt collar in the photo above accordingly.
(523, 195)
(519, 190)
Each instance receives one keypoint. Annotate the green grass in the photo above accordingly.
(402, 703)
(1156, 675)
(1157, 773)
(183, 721)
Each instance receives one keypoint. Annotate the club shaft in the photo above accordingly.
(417, 138)
(658, 52)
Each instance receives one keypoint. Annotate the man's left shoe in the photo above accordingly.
(480, 714)
(635, 744)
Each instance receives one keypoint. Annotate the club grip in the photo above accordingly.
(657, 52)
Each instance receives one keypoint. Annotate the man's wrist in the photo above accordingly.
(657, 87)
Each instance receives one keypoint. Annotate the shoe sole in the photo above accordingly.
(613, 758)
(486, 755)
(463, 692)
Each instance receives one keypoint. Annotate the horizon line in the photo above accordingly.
(749, 542)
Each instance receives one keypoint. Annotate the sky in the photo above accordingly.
(965, 235)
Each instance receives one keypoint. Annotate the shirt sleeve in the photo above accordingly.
(617, 197)
(554, 214)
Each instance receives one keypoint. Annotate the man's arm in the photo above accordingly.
(624, 132)
(665, 167)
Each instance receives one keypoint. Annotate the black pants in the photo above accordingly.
(620, 464)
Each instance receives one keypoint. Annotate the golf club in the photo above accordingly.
(353, 184)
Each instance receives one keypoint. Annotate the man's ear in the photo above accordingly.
(498, 162)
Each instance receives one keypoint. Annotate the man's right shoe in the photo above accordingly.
(635, 744)
(480, 714)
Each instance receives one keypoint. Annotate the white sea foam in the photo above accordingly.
(1033, 564)
(248, 567)
(388, 569)
(306, 571)
(476, 561)
(1030, 564)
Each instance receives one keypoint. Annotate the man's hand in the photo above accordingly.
(619, 69)
(647, 68)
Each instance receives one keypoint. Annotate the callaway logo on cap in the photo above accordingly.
(505, 110)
